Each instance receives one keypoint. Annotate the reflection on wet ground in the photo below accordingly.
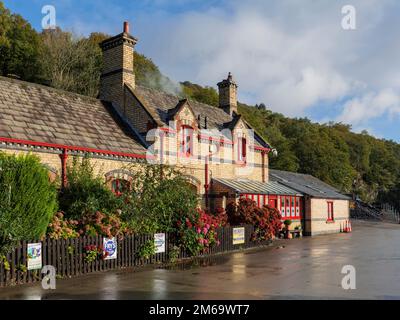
(308, 268)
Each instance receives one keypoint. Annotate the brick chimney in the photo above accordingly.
(228, 95)
(118, 66)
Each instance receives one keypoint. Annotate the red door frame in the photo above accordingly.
(274, 199)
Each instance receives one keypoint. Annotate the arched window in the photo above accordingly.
(119, 186)
(186, 141)
(193, 183)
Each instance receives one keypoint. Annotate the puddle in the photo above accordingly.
(196, 263)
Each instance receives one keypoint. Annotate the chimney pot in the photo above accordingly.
(126, 27)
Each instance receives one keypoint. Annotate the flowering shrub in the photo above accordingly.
(94, 252)
(222, 217)
(90, 225)
(62, 229)
(107, 225)
(268, 224)
(266, 220)
(198, 233)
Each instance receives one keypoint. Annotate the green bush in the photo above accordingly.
(28, 200)
(159, 197)
(86, 193)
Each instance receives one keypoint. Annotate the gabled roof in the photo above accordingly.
(160, 105)
(181, 104)
(306, 184)
(38, 113)
(247, 186)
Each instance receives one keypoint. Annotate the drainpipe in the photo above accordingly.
(162, 154)
(206, 184)
(64, 157)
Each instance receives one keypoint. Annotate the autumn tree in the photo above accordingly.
(19, 47)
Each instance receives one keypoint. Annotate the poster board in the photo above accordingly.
(34, 254)
(238, 235)
(159, 242)
(110, 246)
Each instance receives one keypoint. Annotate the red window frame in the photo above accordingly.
(331, 215)
(119, 186)
(282, 207)
(186, 141)
(290, 207)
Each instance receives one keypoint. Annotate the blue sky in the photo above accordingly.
(292, 55)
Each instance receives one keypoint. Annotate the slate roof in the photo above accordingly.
(161, 105)
(306, 184)
(38, 113)
(256, 187)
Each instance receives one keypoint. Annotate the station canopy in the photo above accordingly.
(247, 186)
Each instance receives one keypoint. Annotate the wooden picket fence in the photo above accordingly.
(68, 255)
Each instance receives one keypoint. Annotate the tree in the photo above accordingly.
(27, 199)
(206, 95)
(19, 47)
(70, 63)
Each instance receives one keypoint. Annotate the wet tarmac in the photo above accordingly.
(308, 268)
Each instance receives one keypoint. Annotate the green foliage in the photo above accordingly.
(159, 197)
(27, 198)
(147, 249)
(19, 46)
(22, 268)
(71, 63)
(86, 193)
(206, 95)
(173, 253)
(93, 252)
(4, 262)
(287, 222)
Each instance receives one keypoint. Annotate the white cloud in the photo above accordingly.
(360, 110)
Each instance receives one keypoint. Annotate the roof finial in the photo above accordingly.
(126, 27)
(230, 76)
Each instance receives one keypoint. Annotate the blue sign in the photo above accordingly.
(110, 246)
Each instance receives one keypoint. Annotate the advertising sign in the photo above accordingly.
(110, 246)
(159, 242)
(238, 236)
(34, 256)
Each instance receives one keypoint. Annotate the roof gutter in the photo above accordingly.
(72, 148)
